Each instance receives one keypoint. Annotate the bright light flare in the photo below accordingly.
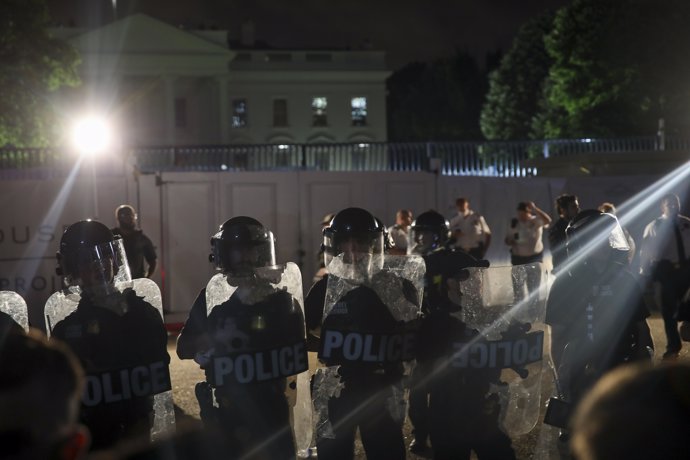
(91, 135)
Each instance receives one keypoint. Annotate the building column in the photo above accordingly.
(223, 109)
(169, 120)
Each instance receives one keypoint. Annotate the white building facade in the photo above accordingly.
(163, 85)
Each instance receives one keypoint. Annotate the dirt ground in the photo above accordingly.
(537, 444)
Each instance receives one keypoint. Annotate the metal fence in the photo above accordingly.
(496, 159)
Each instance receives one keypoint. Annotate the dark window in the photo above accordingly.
(280, 115)
(239, 113)
(278, 57)
(318, 110)
(358, 106)
(180, 112)
(243, 57)
(319, 57)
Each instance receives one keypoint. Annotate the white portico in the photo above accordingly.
(164, 85)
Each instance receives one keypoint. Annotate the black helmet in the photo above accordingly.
(241, 245)
(353, 224)
(89, 244)
(428, 232)
(592, 230)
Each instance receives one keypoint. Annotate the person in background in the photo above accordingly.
(470, 231)
(568, 207)
(526, 247)
(400, 232)
(664, 260)
(138, 246)
(611, 209)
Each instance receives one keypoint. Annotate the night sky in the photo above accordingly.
(407, 30)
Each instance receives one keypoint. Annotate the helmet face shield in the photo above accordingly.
(423, 241)
(98, 269)
(356, 247)
(430, 231)
(241, 246)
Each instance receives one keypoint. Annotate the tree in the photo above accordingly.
(32, 65)
(436, 101)
(618, 66)
(515, 87)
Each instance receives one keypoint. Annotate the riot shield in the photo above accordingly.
(369, 325)
(505, 334)
(13, 305)
(111, 384)
(258, 333)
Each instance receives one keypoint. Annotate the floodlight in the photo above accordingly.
(91, 135)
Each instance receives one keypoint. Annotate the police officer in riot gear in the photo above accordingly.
(119, 337)
(596, 309)
(361, 384)
(249, 343)
(457, 417)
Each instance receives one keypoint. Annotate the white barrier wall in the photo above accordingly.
(180, 211)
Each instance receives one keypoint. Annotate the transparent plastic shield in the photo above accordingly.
(13, 305)
(163, 407)
(389, 282)
(506, 307)
(62, 303)
(374, 332)
(101, 267)
(266, 282)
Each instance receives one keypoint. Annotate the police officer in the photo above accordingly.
(119, 338)
(595, 309)
(251, 340)
(457, 417)
(366, 383)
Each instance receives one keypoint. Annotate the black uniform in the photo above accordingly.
(557, 240)
(368, 384)
(138, 248)
(460, 417)
(255, 414)
(105, 342)
(601, 322)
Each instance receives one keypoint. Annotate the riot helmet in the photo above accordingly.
(595, 234)
(430, 231)
(241, 245)
(353, 230)
(92, 258)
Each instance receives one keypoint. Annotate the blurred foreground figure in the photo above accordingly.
(363, 316)
(117, 334)
(41, 385)
(246, 330)
(636, 413)
(595, 309)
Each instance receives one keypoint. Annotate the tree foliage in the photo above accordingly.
(619, 66)
(601, 68)
(436, 101)
(32, 65)
(515, 87)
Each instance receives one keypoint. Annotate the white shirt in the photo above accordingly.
(528, 233)
(473, 230)
(659, 240)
